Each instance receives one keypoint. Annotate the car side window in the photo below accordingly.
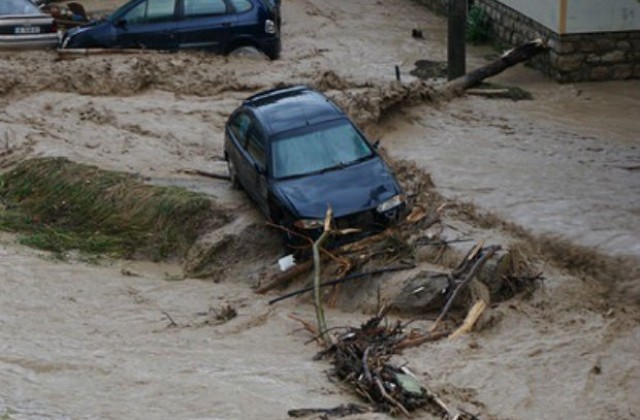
(152, 11)
(256, 147)
(194, 8)
(241, 6)
(240, 126)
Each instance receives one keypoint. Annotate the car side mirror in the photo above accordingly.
(376, 144)
(121, 23)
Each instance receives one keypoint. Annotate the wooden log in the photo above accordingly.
(510, 58)
(489, 93)
(487, 253)
(224, 177)
(472, 317)
(283, 277)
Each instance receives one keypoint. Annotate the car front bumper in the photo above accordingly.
(271, 47)
(28, 42)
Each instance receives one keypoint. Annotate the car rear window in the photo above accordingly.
(241, 5)
(18, 7)
(204, 7)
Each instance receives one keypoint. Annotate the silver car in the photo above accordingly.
(24, 26)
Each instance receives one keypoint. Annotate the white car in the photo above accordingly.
(24, 26)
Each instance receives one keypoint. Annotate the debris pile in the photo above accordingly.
(362, 358)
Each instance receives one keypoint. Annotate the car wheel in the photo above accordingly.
(233, 177)
(248, 52)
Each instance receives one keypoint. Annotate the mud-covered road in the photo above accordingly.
(80, 340)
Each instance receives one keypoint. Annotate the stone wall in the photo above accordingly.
(571, 57)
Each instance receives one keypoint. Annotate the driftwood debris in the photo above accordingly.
(340, 280)
(463, 275)
(339, 411)
(362, 357)
(224, 177)
(281, 278)
(510, 58)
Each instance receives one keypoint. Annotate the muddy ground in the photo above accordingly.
(87, 339)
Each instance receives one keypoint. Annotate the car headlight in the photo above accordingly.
(64, 42)
(309, 223)
(270, 27)
(391, 203)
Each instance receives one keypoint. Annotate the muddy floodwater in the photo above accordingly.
(566, 163)
(82, 338)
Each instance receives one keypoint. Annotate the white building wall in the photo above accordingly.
(602, 16)
(545, 12)
(581, 16)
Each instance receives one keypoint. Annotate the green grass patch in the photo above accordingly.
(478, 26)
(58, 205)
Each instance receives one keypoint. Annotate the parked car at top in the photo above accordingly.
(24, 26)
(295, 152)
(220, 26)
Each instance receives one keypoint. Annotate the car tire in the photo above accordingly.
(248, 52)
(233, 176)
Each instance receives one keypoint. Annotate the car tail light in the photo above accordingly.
(270, 27)
(54, 26)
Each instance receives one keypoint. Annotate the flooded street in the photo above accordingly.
(87, 339)
(566, 163)
(88, 342)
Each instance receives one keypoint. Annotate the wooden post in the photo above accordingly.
(456, 56)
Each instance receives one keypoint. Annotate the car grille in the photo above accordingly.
(364, 220)
(8, 25)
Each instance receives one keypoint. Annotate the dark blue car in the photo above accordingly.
(295, 152)
(220, 26)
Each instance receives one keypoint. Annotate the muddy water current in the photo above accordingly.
(566, 163)
(122, 340)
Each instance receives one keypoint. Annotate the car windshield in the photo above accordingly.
(18, 7)
(327, 147)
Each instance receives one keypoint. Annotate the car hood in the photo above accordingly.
(348, 190)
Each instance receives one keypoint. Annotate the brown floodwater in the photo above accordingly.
(80, 340)
(566, 163)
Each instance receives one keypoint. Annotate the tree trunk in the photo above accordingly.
(509, 59)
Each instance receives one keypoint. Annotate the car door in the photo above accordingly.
(246, 151)
(149, 24)
(205, 24)
(257, 151)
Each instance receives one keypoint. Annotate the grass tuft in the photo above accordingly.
(59, 205)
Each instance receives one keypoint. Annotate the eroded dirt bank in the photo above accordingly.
(84, 341)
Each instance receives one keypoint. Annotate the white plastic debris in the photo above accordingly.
(286, 262)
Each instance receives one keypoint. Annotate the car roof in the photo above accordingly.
(289, 108)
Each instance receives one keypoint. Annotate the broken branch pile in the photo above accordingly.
(361, 358)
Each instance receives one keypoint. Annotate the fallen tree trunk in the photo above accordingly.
(393, 96)
(510, 58)
(224, 177)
